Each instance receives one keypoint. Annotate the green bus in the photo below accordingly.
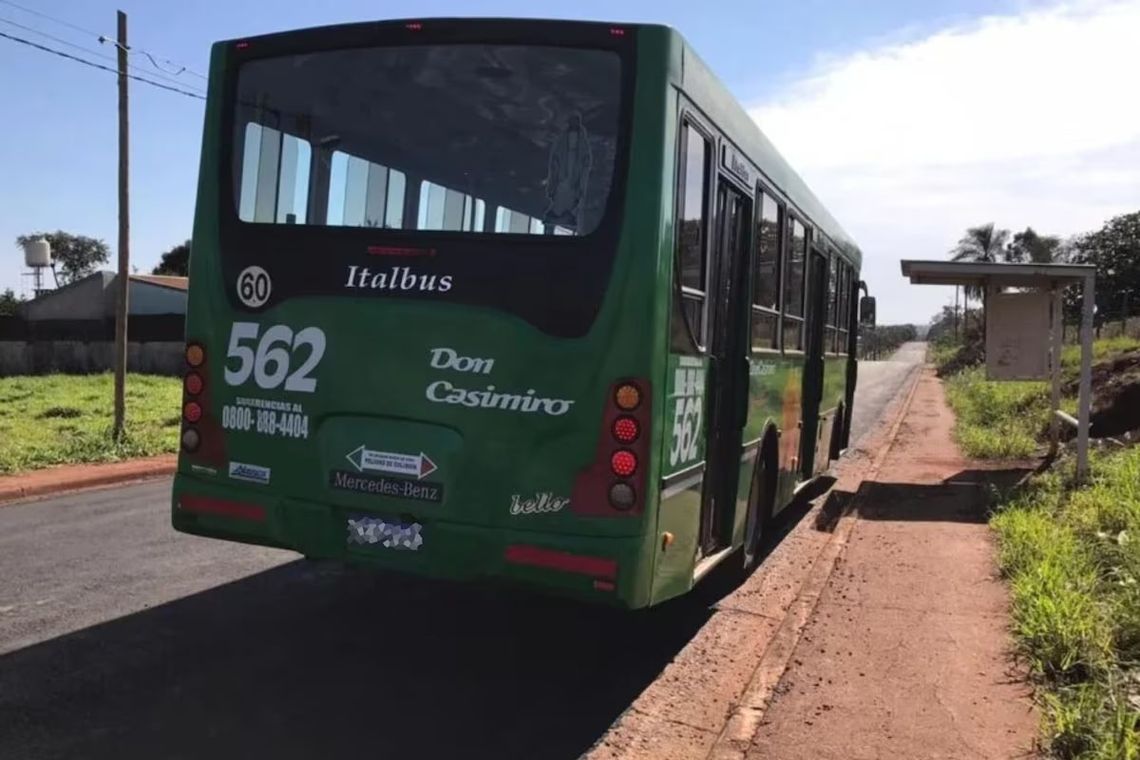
(524, 301)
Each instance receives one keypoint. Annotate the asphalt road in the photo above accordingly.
(122, 639)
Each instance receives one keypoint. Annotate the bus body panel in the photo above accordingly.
(381, 439)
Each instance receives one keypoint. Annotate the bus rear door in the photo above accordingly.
(729, 369)
(813, 361)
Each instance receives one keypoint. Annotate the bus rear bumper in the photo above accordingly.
(604, 570)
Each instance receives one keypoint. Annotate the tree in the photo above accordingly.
(1029, 247)
(983, 244)
(176, 261)
(1115, 251)
(76, 255)
(8, 303)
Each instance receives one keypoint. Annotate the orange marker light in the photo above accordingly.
(195, 355)
(627, 397)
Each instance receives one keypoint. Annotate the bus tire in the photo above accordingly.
(761, 496)
(836, 445)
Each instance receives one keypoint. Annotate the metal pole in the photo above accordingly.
(956, 333)
(1085, 399)
(123, 280)
(1055, 327)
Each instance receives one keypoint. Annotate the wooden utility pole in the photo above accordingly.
(123, 280)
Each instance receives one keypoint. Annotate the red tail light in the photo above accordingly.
(623, 463)
(626, 429)
(613, 484)
(193, 384)
(192, 411)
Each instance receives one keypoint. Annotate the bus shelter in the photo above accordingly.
(1024, 329)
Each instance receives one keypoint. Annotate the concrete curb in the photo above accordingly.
(744, 647)
(67, 478)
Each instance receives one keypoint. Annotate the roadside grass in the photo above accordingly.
(1008, 420)
(1102, 349)
(941, 353)
(65, 419)
(1072, 557)
(997, 420)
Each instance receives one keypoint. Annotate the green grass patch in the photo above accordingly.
(64, 419)
(997, 420)
(1009, 420)
(1102, 349)
(939, 354)
(1072, 556)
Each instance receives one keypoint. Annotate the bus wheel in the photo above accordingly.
(837, 434)
(759, 507)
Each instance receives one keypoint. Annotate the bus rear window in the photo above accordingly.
(464, 138)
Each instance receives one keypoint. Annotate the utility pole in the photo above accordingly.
(123, 280)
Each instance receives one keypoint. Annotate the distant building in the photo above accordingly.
(72, 329)
(93, 297)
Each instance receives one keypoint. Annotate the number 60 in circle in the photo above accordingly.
(254, 287)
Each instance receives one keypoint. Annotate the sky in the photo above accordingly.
(910, 120)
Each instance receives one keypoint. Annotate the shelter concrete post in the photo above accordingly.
(1085, 399)
(1056, 327)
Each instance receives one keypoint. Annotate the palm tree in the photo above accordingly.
(1037, 249)
(982, 244)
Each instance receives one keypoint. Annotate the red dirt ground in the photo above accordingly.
(907, 653)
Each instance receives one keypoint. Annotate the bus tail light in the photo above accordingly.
(626, 429)
(192, 412)
(623, 463)
(195, 355)
(622, 496)
(193, 384)
(613, 484)
(627, 397)
(191, 440)
(199, 430)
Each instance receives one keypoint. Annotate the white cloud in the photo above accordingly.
(1022, 120)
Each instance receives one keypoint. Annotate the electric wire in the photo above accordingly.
(92, 64)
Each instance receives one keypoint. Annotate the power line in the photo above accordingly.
(90, 51)
(60, 21)
(92, 64)
(60, 40)
(182, 68)
(104, 38)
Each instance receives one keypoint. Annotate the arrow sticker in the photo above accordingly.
(418, 466)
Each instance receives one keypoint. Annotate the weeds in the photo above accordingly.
(61, 419)
(1073, 559)
(997, 420)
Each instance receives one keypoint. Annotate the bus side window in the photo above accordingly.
(843, 304)
(794, 271)
(766, 272)
(688, 323)
(832, 333)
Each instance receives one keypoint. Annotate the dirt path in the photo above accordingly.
(906, 653)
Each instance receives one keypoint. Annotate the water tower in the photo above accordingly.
(37, 257)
